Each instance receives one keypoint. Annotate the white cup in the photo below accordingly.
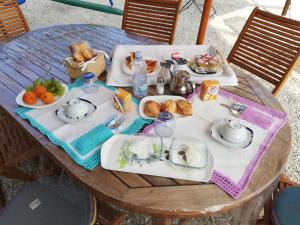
(234, 132)
(76, 108)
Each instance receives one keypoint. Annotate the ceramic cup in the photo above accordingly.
(75, 108)
(234, 132)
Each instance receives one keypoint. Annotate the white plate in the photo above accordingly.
(112, 159)
(215, 132)
(129, 72)
(39, 104)
(159, 99)
(63, 117)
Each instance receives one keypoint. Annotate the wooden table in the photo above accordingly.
(24, 60)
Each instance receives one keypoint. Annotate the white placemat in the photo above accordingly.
(117, 77)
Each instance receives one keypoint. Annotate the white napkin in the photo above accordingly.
(117, 77)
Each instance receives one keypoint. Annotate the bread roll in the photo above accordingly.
(87, 54)
(184, 108)
(169, 106)
(152, 108)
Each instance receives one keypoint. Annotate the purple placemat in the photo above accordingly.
(257, 114)
(265, 121)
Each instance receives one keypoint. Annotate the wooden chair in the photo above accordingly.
(17, 147)
(12, 20)
(156, 19)
(52, 200)
(268, 46)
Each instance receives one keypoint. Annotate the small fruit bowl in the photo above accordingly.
(42, 94)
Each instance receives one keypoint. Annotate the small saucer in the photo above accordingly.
(215, 132)
(60, 113)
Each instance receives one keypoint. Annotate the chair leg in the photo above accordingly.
(267, 211)
(107, 215)
(183, 222)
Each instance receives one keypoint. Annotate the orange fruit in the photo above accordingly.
(29, 98)
(47, 97)
(39, 90)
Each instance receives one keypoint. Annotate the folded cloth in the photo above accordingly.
(118, 77)
(92, 139)
(82, 141)
(233, 168)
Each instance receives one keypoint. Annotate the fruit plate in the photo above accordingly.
(113, 157)
(128, 71)
(159, 99)
(39, 104)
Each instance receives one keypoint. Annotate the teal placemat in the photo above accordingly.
(89, 141)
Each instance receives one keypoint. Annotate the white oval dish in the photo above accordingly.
(129, 72)
(60, 113)
(39, 104)
(159, 99)
(112, 149)
(215, 132)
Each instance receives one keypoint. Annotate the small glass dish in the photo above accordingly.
(188, 152)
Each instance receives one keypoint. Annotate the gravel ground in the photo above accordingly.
(223, 30)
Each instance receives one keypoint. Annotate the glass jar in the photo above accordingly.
(164, 127)
(89, 85)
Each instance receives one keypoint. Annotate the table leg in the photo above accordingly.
(204, 21)
(2, 201)
(161, 221)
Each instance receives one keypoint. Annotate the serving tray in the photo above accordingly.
(113, 158)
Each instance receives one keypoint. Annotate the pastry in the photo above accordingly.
(81, 51)
(213, 64)
(184, 108)
(169, 106)
(122, 99)
(151, 64)
(129, 59)
(78, 57)
(152, 108)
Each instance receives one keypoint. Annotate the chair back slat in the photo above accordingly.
(12, 20)
(154, 19)
(268, 46)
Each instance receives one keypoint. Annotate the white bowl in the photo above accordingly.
(234, 132)
(76, 108)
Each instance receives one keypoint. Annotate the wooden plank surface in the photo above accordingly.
(30, 56)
